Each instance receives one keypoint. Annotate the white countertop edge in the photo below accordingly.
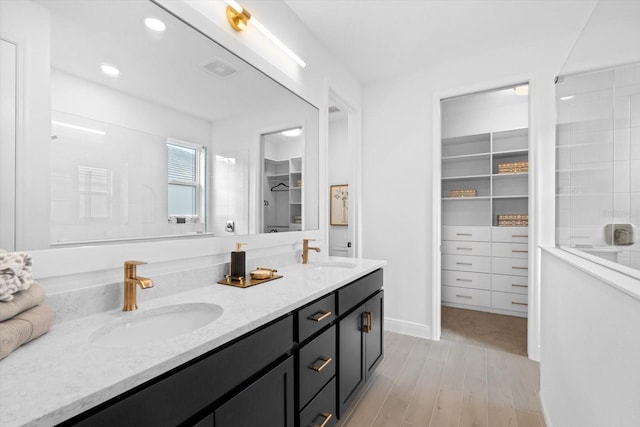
(620, 281)
(50, 350)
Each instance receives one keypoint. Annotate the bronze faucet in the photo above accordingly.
(131, 280)
(305, 250)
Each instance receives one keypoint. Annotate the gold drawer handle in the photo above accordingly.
(368, 317)
(464, 249)
(464, 234)
(515, 251)
(464, 296)
(319, 316)
(519, 303)
(326, 361)
(464, 280)
(464, 263)
(519, 286)
(520, 268)
(327, 416)
(519, 235)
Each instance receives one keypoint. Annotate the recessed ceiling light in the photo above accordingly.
(155, 24)
(566, 98)
(521, 90)
(292, 132)
(110, 70)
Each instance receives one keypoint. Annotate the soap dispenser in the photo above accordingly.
(238, 262)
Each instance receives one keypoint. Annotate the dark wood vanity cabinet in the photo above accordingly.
(301, 370)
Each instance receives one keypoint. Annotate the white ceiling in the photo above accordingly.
(379, 39)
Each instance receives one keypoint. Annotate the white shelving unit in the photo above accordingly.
(484, 267)
(283, 195)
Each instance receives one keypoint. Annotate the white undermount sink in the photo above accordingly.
(144, 327)
(332, 264)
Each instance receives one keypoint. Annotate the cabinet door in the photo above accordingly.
(267, 402)
(351, 374)
(374, 334)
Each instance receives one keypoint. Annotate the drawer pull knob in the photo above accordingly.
(325, 362)
(519, 286)
(520, 235)
(464, 249)
(464, 234)
(464, 280)
(464, 263)
(515, 251)
(519, 303)
(327, 416)
(520, 268)
(368, 318)
(319, 316)
(464, 296)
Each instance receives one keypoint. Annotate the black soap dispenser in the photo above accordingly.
(238, 262)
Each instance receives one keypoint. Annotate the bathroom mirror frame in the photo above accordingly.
(25, 246)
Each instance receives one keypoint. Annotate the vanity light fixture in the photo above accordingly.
(292, 132)
(521, 90)
(76, 127)
(155, 24)
(109, 70)
(239, 18)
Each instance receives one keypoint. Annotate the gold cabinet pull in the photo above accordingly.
(368, 327)
(464, 280)
(519, 268)
(325, 362)
(464, 296)
(516, 251)
(462, 248)
(519, 286)
(519, 235)
(319, 316)
(327, 416)
(464, 263)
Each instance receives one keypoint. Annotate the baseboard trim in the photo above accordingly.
(407, 328)
(545, 414)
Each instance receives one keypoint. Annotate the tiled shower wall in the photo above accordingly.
(598, 160)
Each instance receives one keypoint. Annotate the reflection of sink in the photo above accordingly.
(332, 264)
(148, 326)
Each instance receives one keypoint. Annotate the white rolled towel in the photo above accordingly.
(15, 274)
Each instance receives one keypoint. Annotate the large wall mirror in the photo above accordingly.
(138, 126)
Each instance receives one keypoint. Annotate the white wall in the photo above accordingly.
(590, 370)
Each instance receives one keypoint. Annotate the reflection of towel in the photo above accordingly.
(24, 327)
(15, 273)
(22, 301)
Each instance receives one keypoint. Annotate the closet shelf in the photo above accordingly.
(467, 198)
(452, 178)
(466, 156)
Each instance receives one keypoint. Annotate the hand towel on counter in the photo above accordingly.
(22, 301)
(25, 327)
(15, 273)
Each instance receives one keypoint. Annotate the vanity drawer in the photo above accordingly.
(465, 279)
(479, 264)
(507, 301)
(514, 284)
(510, 266)
(466, 296)
(322, 408)
(510, 250)
(466, 248)
(510, 234)
(354, 293)
(316, 316)
(317, 364)
(466, 233)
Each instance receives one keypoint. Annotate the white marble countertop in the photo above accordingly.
(62, 374)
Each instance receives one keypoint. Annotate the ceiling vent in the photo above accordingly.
(220, 68)
(333, 109)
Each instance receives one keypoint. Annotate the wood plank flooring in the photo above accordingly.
(481, 380)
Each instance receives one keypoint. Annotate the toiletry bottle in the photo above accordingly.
(238, 262)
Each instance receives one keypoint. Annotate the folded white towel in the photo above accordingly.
(15, 274)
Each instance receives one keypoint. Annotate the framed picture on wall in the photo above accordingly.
(339, 196)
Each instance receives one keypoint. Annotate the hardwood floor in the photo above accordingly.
(474, 376)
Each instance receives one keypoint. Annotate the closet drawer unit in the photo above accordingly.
(507, 301)
(510, 234)
(510, 266)
(510, 250)
(479, 264)
(513, 284)
(467, 296)
(464, 279)
(466, 248)
(466, 233)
